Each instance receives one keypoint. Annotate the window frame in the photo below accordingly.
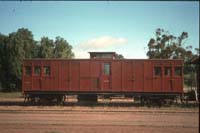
(170, 71)
(181, 71)
(154, 71)
(37, 66)
(25, 70)
(44, 74)
(109, 72)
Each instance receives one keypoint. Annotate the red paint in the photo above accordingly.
(88, 75)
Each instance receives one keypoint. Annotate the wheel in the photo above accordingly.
(60, 99)
(87, 98)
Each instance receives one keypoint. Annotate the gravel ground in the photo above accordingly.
(15, 118)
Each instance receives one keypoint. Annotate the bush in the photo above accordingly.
(190, 95)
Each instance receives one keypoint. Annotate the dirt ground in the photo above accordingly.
(73, 117)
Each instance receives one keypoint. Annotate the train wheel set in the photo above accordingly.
(44, 99)
(31, 99)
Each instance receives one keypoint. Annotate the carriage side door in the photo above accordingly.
(46, 78)
(138, 78)
(27, 76)
(37, 76)
(74, 67)
(128, 76)
(167, 78)
(64, 75)
(177, 81)
(106, 76)
(157, 77)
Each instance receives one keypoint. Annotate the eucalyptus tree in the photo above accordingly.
(168, 46)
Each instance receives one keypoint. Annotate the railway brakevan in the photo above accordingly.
(102, 74)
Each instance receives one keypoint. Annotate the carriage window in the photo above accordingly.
(106, 69)
(28, 70)
(167, 71)
(157, 71)
(178, 71)
(47, 70)
(37, 70)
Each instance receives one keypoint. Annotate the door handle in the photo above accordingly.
(106, 81)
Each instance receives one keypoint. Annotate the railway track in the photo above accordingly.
(92, 110)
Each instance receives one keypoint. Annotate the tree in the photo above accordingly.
(20, 45)
(119, 56)
(36, 50)
(3, 53)
(46, 48)
(16, 47)
(167, 46)
(62, 49)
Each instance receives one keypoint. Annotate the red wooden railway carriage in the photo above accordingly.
(102, 74)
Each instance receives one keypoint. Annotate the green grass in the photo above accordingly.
(10, 94)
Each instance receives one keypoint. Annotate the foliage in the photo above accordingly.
(46, 48)
(167, 46)
(3, 55)
(119, 56)
(62, 49)
(20, 45)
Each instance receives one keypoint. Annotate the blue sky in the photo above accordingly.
(123, 27)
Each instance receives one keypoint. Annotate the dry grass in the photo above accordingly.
(10, 94)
